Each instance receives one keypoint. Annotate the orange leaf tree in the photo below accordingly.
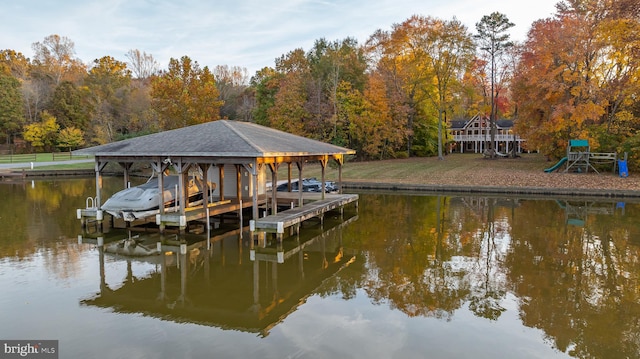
(577, 76)
(185, 94)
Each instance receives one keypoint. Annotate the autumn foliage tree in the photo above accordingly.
(42, 135)
(185, 94)
(109, 82)
(576, 78)
(366, 119)
(422, 60)
(289, 112)
(70, 138)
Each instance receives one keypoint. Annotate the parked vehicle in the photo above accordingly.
(309, 185)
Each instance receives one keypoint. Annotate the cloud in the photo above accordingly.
(246, 33)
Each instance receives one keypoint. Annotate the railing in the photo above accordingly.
(485, 138)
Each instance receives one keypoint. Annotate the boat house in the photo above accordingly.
(236, 157)
(474, 136)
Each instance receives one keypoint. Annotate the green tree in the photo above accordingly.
(109, 82)
(70, 105)
(450, 49)
(11, 110)
(289, 112)
(54, 61)
(266, 86)
(330, 64)
(185, 94)
(494, 42)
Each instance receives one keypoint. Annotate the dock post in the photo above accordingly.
(280, 252)
(208, 220)
(83, 223)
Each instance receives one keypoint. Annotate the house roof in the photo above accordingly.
(461, 124)
(457, 124)
(222, 138)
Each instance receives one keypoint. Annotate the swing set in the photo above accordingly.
(580, 158)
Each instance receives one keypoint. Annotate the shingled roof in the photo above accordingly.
(222, 138)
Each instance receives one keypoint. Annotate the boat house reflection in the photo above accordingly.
(229, 280)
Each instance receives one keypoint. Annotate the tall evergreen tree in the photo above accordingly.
(494, 41)
(11, 109)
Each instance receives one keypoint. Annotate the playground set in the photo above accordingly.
(580, 158)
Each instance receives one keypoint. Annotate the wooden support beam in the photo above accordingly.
(274, 187)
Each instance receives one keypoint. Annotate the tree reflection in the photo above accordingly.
(488, 281)
(436, 257)
(577, 280)
(578, 284)
(41, 214)
(573, 265)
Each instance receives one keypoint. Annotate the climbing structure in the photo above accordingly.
(580, 158)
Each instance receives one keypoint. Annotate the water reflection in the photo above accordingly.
(232, 280)
(577, 283)
(567, 268)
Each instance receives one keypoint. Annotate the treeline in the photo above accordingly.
(576, 76)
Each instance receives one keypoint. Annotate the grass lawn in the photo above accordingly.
(457, 169)
(412, 169)
(387, 170)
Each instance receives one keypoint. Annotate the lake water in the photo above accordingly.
(406, 276)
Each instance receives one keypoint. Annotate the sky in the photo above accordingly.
(244, 33)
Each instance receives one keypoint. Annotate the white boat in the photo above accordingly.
(131, 247)
(143, 200)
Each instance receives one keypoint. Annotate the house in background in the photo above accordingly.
(474, 136)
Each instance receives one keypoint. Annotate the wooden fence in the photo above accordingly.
(38, 157)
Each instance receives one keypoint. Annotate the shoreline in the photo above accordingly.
(602, 193)
(540, 192)
(523, 176)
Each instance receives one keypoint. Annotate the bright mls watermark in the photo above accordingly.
(28, 349)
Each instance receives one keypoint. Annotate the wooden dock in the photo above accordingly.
(198, 212)
(279, 222)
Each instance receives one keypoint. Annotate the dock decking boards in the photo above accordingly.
(285, 219)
